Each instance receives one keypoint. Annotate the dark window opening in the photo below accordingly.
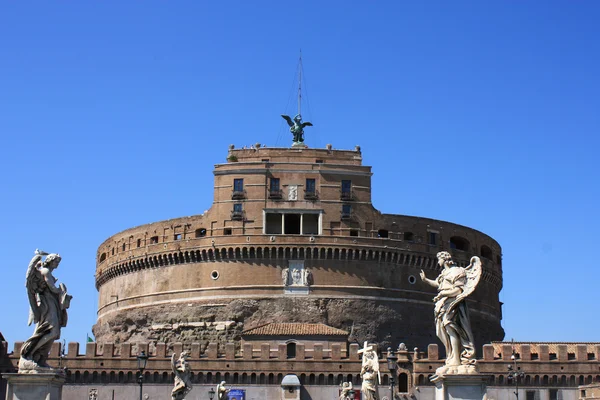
(535, 356)
(124, 246)
(346, 189)
(200, 232)
(553, 394)
(154, 239)
(486, 252)
(238, 212)
(591, 356)
(346, 211)
(103, 257)
(499, 260)
(409, 236)
(274, 189)
(310, 224)
(292, 224)
(403, 383)
(226, 231)
(273, 224)
(113, 251)
(177, 236)
(238, 189)
(139, 243)
(291, 350)
(432, 238)
(265, 160)
(530, 395)
(382, 233)
(570, 356)
(459, 243)
(353, 232)
(310, 192)
(553, 356)
(319, 161)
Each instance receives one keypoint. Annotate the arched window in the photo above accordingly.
(459, 243)
(409, 236)
(102, 257)
(291, 350)
(486, 252)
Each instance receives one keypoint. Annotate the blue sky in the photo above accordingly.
(482, 113)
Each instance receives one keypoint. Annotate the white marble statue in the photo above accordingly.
(345, 391)
(181, 369)
(307, 275)
(48, 309)
(452, 324)
(369, 373)
(222, 391)
(285, 276)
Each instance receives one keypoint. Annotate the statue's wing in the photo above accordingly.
(473, 272)
(306, 124)
(288, 119)
(33, 283)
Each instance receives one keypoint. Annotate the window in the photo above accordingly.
(552, 356)
(459, 243)
(177, 236)
(238, 189)
(274, 190)
(237, 207)
(226, 231)
(154, 239)
(310, 185)
(291, 350)
(139, 243)
(103, 257)
(432, 238)
(409, 236)
(353, 232)
(124, 246)
(382, 233)
(200, 232)
(346, 189)
(346, 210)
(238, 185)
(486, 252)
(237, 213)
(553, 394)
(530, 395)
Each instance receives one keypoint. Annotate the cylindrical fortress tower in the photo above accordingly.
(292, 236)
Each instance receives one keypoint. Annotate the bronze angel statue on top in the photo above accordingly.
(48, 309)
(452, 324)
(296, 127)
(181, 369)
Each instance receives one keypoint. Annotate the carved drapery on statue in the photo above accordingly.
(48, 310)
(222, 391)
(181, 369)
(369, 373)
(452, 323)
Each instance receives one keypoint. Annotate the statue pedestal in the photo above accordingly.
(34, 386)
(460, 387)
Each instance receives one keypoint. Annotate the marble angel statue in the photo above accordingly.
(452, 324)
(181, 369)
(48, 310)
(369, 373)
(345, 388)
(222, 391)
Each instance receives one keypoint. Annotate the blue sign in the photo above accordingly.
(236, 394)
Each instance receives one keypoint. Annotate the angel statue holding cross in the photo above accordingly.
(369, 373)
(452, 324)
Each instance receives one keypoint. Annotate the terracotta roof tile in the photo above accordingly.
(294, 329)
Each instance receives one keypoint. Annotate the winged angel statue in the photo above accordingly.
(297, 127)
(181, 369)
(48, 309)
(452, 324)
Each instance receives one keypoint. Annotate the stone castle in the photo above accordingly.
(285, 274)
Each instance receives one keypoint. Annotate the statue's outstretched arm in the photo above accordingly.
(430, 282)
